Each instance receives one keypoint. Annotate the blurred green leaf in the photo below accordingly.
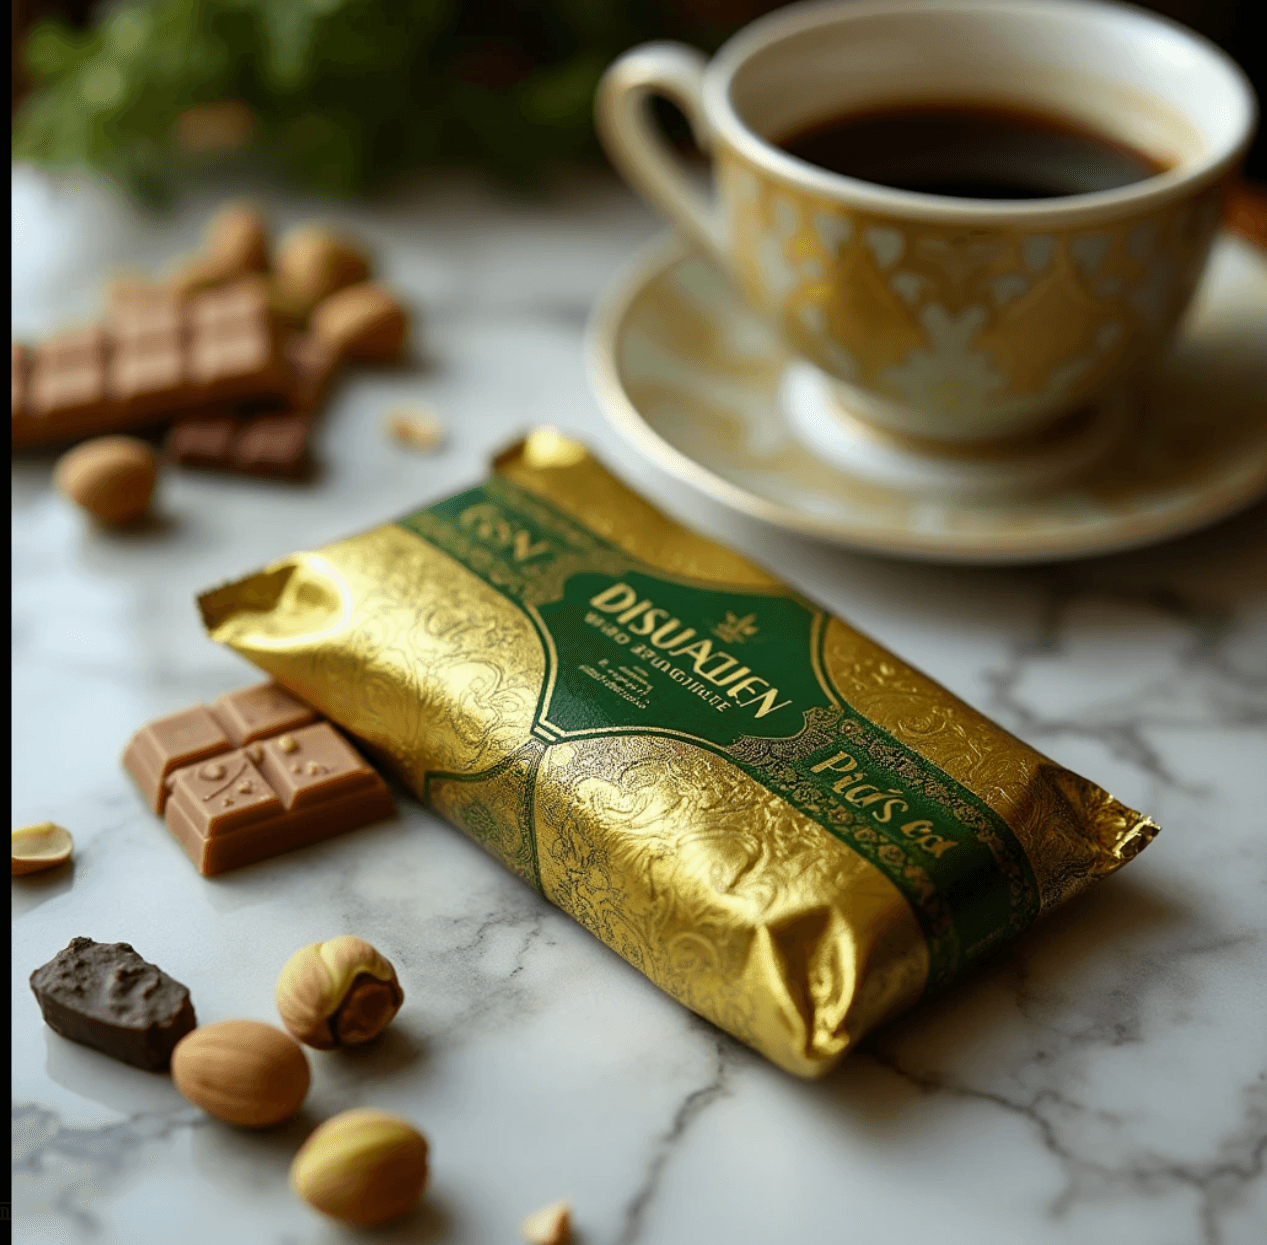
(345, 93)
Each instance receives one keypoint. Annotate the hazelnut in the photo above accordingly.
(364, 1167)
(361, 322)
(242, 1071)
(551, 1225)
(312, 263)
(235, 244)
(110, 477)
(42, 846)
(337, 993)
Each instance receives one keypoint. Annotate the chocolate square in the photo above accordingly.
(203, 441)
(273, 445)
(220, 795)
(169, 743)
(311, 766)
(253, 712)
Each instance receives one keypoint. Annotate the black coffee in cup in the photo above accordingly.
(971, 152)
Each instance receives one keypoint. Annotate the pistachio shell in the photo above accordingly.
(341, 992)
(242, 1071)
(364, 1167)
(41, 846)
(551, 1225)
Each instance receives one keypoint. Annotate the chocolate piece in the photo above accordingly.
(254, 712)
(203, 441)
(273, 445)
(268, 776)
(168, 743)
(103, 995)
(21, 376)
(160, 358)
(272, 796)
(180, 739)
(234, 351)
(68, 378)
(269, 445)
(148, 372)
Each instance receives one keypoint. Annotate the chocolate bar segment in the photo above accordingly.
(272, 796)
(203, 441)
(168, 743)
(253, 712)
(148, 372)
(273, 445)
(180, 739)
(68, 379)
(106, 996)
(235, 352)
(161, 357)
(313, 766)
(265, 776)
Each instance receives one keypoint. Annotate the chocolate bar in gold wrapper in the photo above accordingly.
(774, 818)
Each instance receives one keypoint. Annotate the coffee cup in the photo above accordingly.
(952, 319)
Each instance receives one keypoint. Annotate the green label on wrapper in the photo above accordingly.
(630, 649)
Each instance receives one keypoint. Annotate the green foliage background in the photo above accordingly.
(346, 94)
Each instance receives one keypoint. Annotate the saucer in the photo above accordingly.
(699, 383)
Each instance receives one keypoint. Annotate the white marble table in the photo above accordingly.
(1105, 1084)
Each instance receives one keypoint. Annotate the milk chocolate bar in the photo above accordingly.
(161, 354)
(250, 776)
(780, 822)
(268, 445)
(201, 731)
(274, 444)
(105, 996)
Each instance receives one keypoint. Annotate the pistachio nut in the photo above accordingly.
(338, 993)
(364, 1167)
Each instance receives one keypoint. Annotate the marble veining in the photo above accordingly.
(1105, 1083)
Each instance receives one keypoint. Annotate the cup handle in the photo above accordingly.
(635, 145)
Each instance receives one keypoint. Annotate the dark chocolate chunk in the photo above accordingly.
(103, 995)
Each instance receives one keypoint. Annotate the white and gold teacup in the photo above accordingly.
(954, 321)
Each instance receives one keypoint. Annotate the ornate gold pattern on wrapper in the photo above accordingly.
(781, 824)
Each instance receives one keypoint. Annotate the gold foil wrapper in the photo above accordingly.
(778, 821)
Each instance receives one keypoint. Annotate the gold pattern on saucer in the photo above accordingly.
(690, 374)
